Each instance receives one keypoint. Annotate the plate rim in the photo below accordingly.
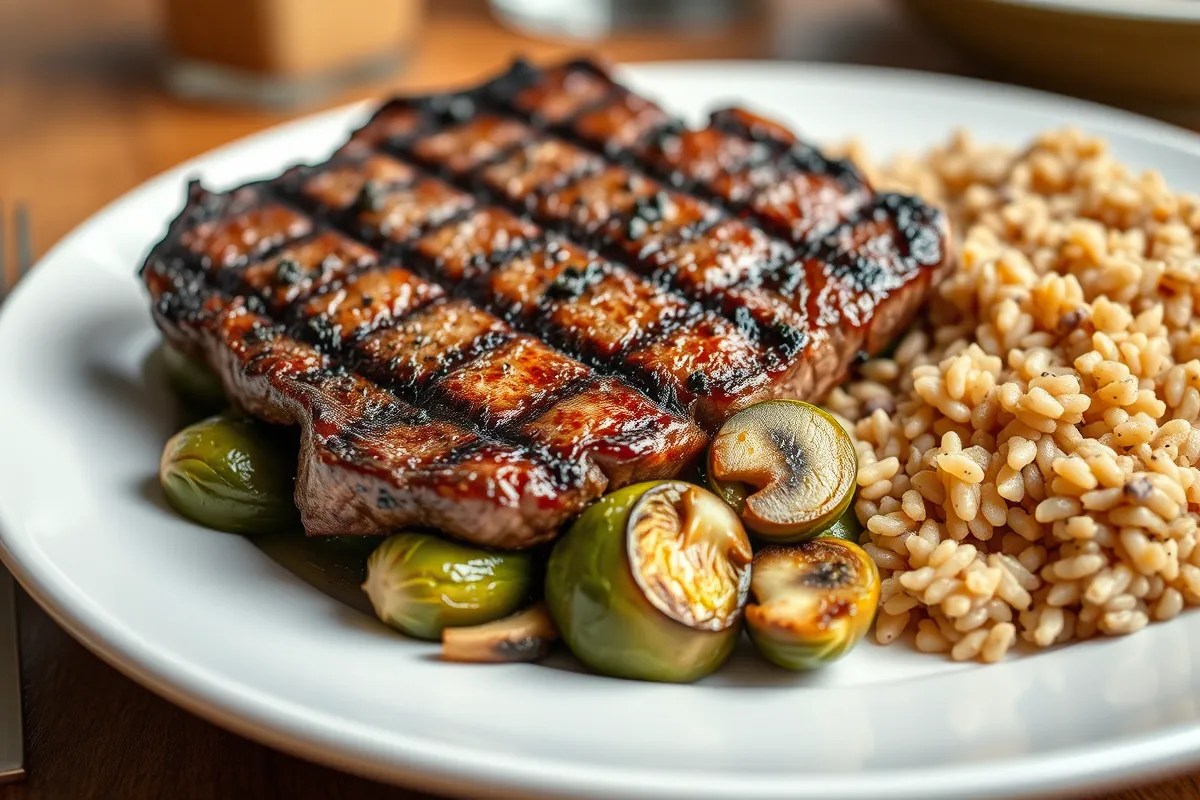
(442, 767)
(1164, 11)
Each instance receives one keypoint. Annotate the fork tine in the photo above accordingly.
(24, 240)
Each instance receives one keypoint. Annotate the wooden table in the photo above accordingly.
(82, 121)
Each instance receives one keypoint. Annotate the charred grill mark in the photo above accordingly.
(428, 468)
(234, 240)
(305, 267)
(710, 345)
(615, 426)
(344, 184)
(588, 205)
(598, 328)
(612, 313)
(368, 301)
(285, 304)
(555, 96)
(511, 382)
(573, 281)
(637, 220)
(394, 122)
(534, 168)
(466, 250)
(618, 124)
(467, 147)
(610, 341)
(752, 165)
(460, 253)
(401, 214)
(430, 342)
(749, 165)
(515, 289)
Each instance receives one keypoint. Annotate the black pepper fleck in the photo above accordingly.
(288, 272)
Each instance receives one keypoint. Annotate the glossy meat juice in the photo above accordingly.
(490, 307)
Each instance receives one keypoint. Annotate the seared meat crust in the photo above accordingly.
(489, 307)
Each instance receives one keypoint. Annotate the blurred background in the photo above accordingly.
(96, 96)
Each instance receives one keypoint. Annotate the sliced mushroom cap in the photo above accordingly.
(525, 636)
(811, 603)
(689, 554)
(787, 467)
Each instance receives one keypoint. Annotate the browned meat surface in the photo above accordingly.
(451, 418)
(490, 307)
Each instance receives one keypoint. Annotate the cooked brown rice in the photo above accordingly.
(1028, 454)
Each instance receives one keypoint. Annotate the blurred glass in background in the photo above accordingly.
(283, 52)
(595, 19)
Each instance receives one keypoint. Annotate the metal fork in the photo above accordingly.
(12, 735)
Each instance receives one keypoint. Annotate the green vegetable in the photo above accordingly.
(847, 527)
(786, 467)
(811, 603)
(232, 474)
(422, 584)
(195, 384)
(649, 583)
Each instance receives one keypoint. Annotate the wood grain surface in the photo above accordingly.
(82, 120)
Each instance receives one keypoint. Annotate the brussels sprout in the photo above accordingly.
(525, 636)
(811, 602)
(787, 467)
(195, 384)
(847, 527)
(232, 474)
(422, 584)
(649, 583)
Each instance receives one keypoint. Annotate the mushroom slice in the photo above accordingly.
(787, 467)
(525, 636)
(811, 603)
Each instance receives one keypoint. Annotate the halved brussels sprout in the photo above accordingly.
(525, 636)
(811, 602)
(193, 382)
(786, 467)
(233, 474)
(650, 582)
(422, 584)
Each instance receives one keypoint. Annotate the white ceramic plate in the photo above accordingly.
(215, 625)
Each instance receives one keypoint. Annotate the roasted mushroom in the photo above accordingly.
(232, 474)
(811, 603)
(422, 584)
(650, 582)
(525, 636)
(786, 467)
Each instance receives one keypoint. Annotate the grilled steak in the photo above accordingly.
(489, 307)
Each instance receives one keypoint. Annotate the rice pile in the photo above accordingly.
(1028, 454)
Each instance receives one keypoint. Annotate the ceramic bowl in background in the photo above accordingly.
(1140, 54)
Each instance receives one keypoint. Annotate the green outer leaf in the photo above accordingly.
(231, 474)
(193, 382)
(421, 584)
(604, 617)
(790, 653)
(846, 527)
